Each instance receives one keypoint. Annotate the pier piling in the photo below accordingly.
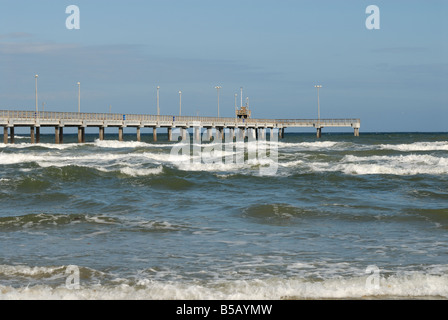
(139, 138)
(154, 134)
(120, 134)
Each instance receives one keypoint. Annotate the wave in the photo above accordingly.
(41, 221)
(415, 285)
(417, 146)
(45, 219)
(387, 165)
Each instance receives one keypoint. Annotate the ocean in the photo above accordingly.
(340, 217)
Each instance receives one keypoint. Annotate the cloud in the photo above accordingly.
(33, 48)
(16, 35)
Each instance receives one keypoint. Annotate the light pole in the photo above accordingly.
(35, 77)
(158, 110)
(236, 108)
(217, 88)
(180, 103)
(318, 106)
(79, 97)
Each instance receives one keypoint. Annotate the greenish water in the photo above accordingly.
(140, 222)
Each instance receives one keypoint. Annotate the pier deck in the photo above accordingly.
(10, 119)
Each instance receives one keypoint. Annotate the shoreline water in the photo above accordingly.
(140, 224)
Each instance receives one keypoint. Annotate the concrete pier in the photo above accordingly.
(120, 134)
(139, 138)
(61, 134)
(56, 135)
(11, 135)
(197, 133)
(237, 126)
(81, 135)
(232, 133)
(32, 138)
(154, 134)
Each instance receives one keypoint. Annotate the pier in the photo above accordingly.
(9, 120)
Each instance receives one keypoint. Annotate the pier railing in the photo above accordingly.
(7, 115)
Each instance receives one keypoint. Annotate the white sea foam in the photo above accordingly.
(115, 144)
(415, 286)
(417, 146)
(390, 165)
(134, 172)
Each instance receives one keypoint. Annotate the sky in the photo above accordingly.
(394, 78)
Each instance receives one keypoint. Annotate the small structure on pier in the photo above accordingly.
(243, 112)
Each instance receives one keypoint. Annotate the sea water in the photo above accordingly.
(341, 217)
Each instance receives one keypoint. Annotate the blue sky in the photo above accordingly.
(394, 78)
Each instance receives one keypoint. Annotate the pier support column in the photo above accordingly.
(11, 135)
(101, 133)
(209, 134)
(170, 134)
(32, 135)
(81, 135)
(262, 133)
(139, 138)
(232, 133)
(356, 132)
(197, 133)
(37, 134)
(154, 134)
(56, 135)
(219, 133)
(241, 134)
(61, 134)
(251, 134)
(319, 132)
(183, 133)
(5, 135)
(120, 134)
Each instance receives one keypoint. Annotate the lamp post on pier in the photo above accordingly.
(318, 106)
(217, 88)
(79, 97)
(35, 77)
(158, 110)
(180, 103)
